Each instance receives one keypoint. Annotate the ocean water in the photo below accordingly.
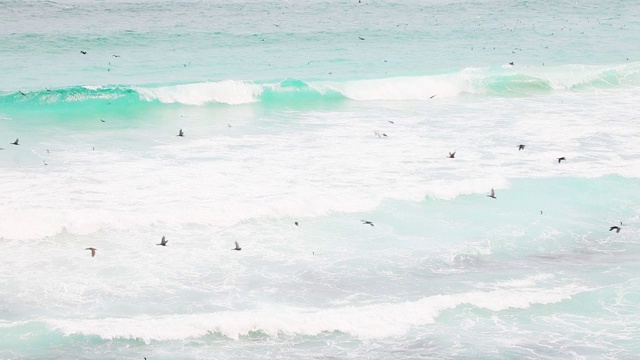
(280, 102)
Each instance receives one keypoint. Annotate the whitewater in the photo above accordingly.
(283, 106)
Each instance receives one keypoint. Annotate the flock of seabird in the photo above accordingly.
(164, 241)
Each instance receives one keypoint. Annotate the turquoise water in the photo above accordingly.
(280, 103)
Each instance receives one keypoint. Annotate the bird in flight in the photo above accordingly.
(93, 251)
(493, 194)
(452, 155)
(237, 247)
(560, 159)
(163, 242)
(180, 133)
(15, 142)
(616, 228)
(365, 222)
(520, 147)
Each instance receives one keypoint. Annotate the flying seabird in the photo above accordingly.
(102, 120)
(493, 194)
(83, 52)
(163, 242)
(452, 155)
(520, 147)
(180, 133)
(237, 247)
(511, 63)
(391, 122)
(15, 142)
(432, 96)
(296, 223)
(93, 251)
(114, 55)
(361, 38)
(560, 159)
(616, 228)
(365, 222)
(21, 93)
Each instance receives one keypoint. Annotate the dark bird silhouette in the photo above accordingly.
(237, 247)
(511, 63)
(391, 122)
(616, 228)
(561, 158)
(361, 38)
(365, 222)
(21, 93)
(180, 133)
(452, 155)
(520, 147)
(493, 194)
(102, 120)
(296, 223)
(15, 142)
(93, 251)
(432, 96)
(83, 52)
(114, 55)
(163, 242)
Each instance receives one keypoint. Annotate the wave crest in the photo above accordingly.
(504, 81)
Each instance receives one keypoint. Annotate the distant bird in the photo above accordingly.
(391, 122)
(102, 120)
(83, 52)
(540, 212)
(361, 38)
(296, 223)
(432, 96)
(163, 242)
(15, 142)
(561, 158)
(21, 93)
(93, 251)
(180, 133)
(511, 63)
(237, 247)
(379, 134)
(365, 222)
(616, 228)
(493, 194)
(114, 55)
(520, 147)
(452, 155)
(45, 163)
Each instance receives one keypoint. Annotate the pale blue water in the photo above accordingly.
(280, 102)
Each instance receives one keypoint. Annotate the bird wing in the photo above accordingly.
(493, 193)
(237, 246)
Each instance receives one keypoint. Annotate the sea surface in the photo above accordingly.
(325, 114)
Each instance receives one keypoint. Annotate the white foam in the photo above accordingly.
(226, 92)
(403, 88)
(369, 321)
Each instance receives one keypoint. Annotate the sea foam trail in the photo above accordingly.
(370, 321)
(501, 81)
